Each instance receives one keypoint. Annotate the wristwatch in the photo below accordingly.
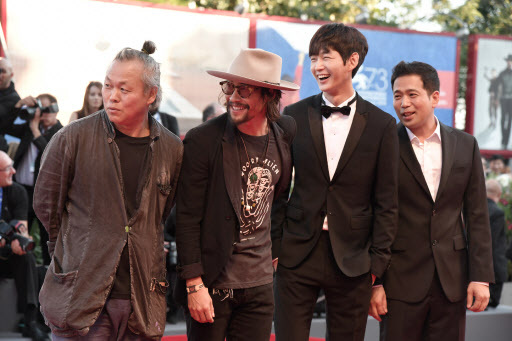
(194, 288)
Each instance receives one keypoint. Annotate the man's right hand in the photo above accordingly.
(16, 248)
(378, 303)
(200, 303)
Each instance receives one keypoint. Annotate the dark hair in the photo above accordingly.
(86, 109)
(49, 97)
(428, 74)
(344, 39)
(272, 98)
(151, 75)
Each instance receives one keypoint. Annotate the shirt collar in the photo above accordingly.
(339, 106)
(437, 132)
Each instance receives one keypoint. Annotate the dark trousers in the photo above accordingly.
(506, 120)
(246, 315)
(111, 325)
(434, 318)
(347, 298)
(42, 232)
(23, 270)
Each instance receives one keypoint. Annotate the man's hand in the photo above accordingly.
(28, 101)
(2, 242)
(480, 293)
(200, 303)
(16, 248)
(166, 250)
(34, 124)
(378, 303)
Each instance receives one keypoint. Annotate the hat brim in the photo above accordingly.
(283, 85)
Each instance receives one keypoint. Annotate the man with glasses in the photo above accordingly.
(233, 167)
(8, 99)
(15, 262)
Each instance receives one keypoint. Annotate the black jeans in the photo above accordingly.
(246, 315)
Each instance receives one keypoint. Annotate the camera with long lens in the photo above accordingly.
(27, 113)
(10, 231)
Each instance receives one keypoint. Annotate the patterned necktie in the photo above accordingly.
(345, 110)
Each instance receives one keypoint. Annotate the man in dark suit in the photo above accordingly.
(34, 135)
(168, 121)
(233, 166)
(499, 241)
(443, 241)
(335, 231)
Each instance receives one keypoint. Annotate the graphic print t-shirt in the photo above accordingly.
(250, 265)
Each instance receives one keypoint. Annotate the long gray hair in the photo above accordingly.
(151, 75)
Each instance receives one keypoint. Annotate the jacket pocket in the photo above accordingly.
(55, 295)
(294, 213)
(459, 242)
(361, 222)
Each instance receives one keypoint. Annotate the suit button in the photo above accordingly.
(434, 213)
(234, 244)
(434, 242)
(331, 188)
(329, 213)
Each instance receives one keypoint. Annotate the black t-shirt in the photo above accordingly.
(134, 158)
(250, 265)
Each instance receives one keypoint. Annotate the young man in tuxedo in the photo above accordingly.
(441, 259)
(335, 231)
(233, 167)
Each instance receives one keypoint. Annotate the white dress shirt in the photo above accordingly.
(336, 129)
(430, 157)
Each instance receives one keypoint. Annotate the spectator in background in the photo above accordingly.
(14, 261)
(168, 121)
(212, 110)
(497, 165)
(499, 241)
(34, 135)
(485, 166)
(92, 101)
(504, 87)
(8, 99)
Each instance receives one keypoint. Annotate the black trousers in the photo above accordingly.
(246, 315)
(42, 232)
(23, 270)
(434, 318)
(347, 298)
(506, 120)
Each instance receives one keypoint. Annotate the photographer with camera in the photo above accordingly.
(8, 99)
(41, 124)
(15, 243)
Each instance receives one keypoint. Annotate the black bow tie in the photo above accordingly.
(345, 110)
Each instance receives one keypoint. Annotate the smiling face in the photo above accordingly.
(243, 110)
(6, 170)
(332, 74)
(414, 106)
(124, 97)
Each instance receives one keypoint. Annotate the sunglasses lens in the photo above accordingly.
(227, 88)
(244, 91)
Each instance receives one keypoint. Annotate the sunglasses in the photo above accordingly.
(244, 90)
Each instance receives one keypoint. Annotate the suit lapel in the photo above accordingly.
(449, 144)
(317, 133)
(231, 165)
(354, 134)
(409, 158)
(284, 152)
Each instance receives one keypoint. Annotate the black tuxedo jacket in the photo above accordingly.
(23, 132)
(450, 234)
(360, 201)
(208, 203)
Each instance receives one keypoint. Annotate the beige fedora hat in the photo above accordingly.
(256, 67)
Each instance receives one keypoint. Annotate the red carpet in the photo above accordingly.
(184, 338)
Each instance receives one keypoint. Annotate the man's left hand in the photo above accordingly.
(480, 294)
(16, 248)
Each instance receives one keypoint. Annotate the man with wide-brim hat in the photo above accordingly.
(504, 97)
(233, 167)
